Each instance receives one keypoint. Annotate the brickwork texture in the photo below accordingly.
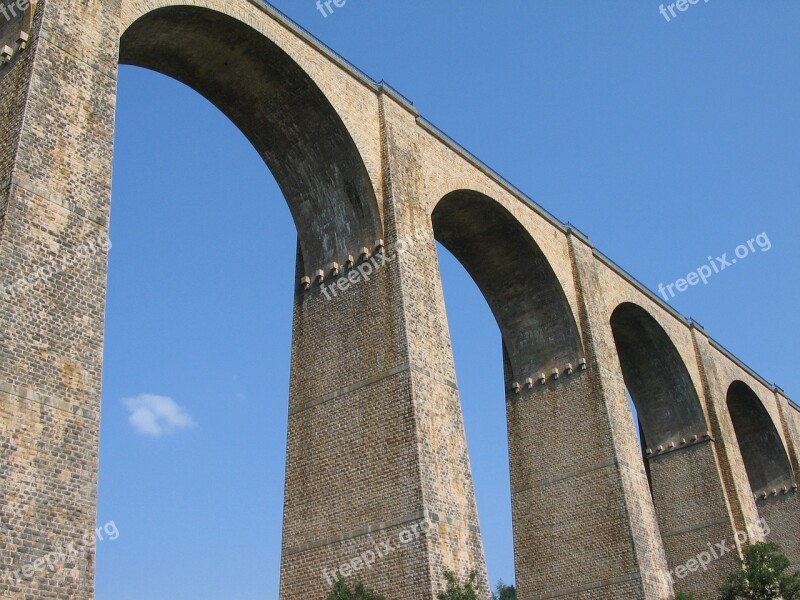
(377, 462)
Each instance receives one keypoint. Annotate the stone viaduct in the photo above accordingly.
(376, 439)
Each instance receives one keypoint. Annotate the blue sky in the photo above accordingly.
(665, 142)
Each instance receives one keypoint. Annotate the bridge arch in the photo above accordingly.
(539, 334)
(679, 454)
(765, 458)
(525, 295)
(280, 109)
(657, 379)
(768, 467)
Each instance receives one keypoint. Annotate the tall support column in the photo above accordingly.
(694, 518)
(581, 526)
(377, 465)
(734, 477)
(790, 420)
(56, 128)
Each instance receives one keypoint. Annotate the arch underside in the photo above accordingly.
(660, 385)
(280, 110)
(521, 288)
(765, 459)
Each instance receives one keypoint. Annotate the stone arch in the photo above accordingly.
(685, 481)
(539, 333)
(666, 399)
(280, 109)
(535, 318)
(765, 458)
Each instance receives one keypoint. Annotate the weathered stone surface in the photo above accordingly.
(376, 449)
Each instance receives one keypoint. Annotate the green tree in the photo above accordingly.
(683, 596)
(763, 576)
(457, 590)
(341, 591)
(505, 592)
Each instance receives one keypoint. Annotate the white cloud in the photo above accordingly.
(157, 415)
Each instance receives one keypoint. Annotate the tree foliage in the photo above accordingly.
(764, 576)
(456, 590)
(504, 592)
(341, 591)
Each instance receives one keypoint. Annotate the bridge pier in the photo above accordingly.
(56, 139)
(693, 517)
(787, 522)
(378, 484)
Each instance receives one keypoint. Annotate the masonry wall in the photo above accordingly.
(780, 512)
(579, 497)
(791, 413)
(691, 523)
(353, 476)
(376, 439)
(691, 493)
(376, 449)
(55, 159)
